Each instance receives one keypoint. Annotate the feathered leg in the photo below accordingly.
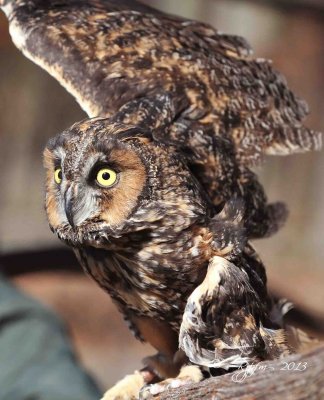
(188, 374)
(127, 388)
(157, 368)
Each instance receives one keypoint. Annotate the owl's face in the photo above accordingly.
(95, 177)
(105, 178)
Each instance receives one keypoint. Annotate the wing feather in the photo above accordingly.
(222, 325)
(107, 53)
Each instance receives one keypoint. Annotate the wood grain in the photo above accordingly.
(269, 381)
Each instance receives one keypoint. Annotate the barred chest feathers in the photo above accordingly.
(155, 280)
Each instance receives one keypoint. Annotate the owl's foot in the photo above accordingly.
(188, 374)
(128, 387)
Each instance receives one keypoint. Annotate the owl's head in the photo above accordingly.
(105, 178)
(95, 174)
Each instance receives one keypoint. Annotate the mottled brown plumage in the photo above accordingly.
(181, 112)
(108, 53)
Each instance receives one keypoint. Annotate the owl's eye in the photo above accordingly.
(58, 175)
(106, 177)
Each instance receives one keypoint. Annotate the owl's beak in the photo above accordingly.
(68, 205)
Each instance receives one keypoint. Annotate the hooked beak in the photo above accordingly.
(68, 205)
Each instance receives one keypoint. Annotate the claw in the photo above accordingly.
(189, 374)
(148, 392)
(145, 393)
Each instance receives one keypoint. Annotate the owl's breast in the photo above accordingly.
(153, 287)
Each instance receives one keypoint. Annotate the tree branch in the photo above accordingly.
(296, 377)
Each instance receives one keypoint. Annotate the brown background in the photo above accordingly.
(33, 107)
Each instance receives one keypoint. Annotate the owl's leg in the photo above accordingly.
(188, 374)
(165, 364)
(138, 385)
(127, 388)
(156, 368)
(130, 386)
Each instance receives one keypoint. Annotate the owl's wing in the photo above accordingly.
(222, 326)
(92, 47)
(108, 52)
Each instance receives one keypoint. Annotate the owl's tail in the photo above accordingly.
(296, 339)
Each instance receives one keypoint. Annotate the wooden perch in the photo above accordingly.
(296, 377)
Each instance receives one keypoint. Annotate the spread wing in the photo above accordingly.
(108, 52)
(95, 49)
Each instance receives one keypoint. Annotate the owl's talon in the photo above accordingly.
(148, 392)
(127, 388)
(189, 374)
(145, 393)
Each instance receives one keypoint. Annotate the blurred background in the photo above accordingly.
(33, 108)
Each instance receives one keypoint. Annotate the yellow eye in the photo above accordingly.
(106, 177)
(58, 175)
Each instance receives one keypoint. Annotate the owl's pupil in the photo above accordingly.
(59, 175)
(106, 176)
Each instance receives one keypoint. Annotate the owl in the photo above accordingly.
(154, 192)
